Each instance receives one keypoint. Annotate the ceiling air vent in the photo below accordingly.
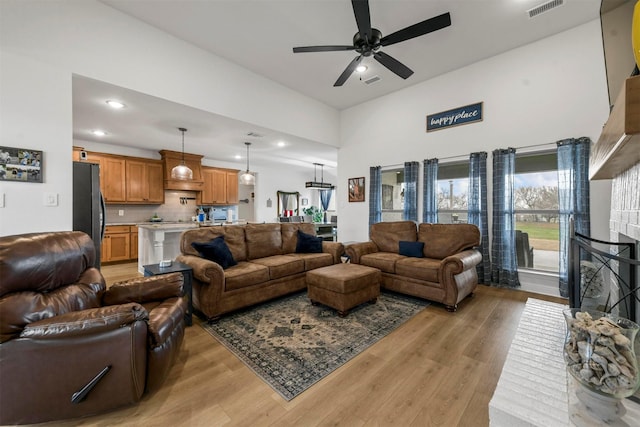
(544, 7)
(372, 80)
(254, 134)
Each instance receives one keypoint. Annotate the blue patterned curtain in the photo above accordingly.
(573, 197)
(325, 198)
(504, 265)
(411, 191)
(477, 210)
(375, 194)
(429, 192)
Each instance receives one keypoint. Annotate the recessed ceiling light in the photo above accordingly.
(237, 156)
(361, 68)
(281, 144)
(115, 104)
(98, 132)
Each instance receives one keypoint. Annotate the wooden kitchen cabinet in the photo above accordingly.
(144, 181)
(112, 176)
(220, 187)
(134, 243)
(116, 245)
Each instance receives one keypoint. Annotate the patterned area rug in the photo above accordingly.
(292, 344)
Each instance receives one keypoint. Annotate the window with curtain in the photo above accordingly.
(393, 193)
(504, 267)
(477, 210)
(411, 170)
(429, 191)
(536, 210)
(375, 194)
(452, 192)
(573, 197)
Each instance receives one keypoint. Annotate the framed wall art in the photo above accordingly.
(20, 164)
(356, 189)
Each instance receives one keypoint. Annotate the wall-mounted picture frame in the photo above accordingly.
(20, 164)
(356, 189)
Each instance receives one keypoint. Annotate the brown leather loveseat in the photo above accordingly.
(68, 346)
(442, 267)
(268, 265)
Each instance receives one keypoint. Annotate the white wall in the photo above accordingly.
(42, 43)
(537, 94)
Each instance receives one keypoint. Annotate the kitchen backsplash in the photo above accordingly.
(171, 210)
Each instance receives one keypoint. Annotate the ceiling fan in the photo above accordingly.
(368, 41)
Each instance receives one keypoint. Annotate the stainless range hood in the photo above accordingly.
(318, 184)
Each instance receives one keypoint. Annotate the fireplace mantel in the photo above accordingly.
(618, 147)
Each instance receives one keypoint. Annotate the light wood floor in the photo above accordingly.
(438, 369)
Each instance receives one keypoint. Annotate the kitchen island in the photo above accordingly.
(160, 241)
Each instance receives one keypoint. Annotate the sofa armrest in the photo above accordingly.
(356, 250)
(145, 289)
(336, 249)
(462, 261)
(85, 322)
(204, 270)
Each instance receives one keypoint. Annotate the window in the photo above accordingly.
(452, 192)
(536, 210)
(393, 194)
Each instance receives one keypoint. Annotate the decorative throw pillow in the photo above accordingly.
(217, 251)
(308, 244)
(412, 249)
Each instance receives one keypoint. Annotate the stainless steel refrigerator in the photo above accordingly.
(89, 213)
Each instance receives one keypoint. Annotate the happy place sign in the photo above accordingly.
(455, 117)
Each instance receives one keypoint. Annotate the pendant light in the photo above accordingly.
(182, 172)
(247, 178)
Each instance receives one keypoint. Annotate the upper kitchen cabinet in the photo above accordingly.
(144, 181)
(112, 176)
(171, 159)
(220, 187)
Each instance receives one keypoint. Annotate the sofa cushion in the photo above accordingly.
(233, 237)
(215, 250)
(245, 274)
(442, 240)
(263, 240)
(312, 261)
(289, 232)
(383, 261)
(419, 268)
(308, 244)
(412, 249)
(387, 235)
(281, 265)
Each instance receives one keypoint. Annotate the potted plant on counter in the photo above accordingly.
(312, 214)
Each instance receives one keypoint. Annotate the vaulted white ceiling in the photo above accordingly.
(260, 34)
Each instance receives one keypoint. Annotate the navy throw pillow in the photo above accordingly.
(217, 251)
(412, 249)
(308, 244)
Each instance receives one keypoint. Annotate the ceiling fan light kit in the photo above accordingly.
(247, 178)
(182, 171)
(368, 41)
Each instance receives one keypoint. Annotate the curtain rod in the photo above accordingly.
(466, 156)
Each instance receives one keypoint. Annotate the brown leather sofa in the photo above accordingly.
(267, 265)
(68, 346)
(446, 271)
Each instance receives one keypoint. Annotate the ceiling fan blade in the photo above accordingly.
(421, 28)
(321, 48)
(348, 71)
(363, 17)
(393, 64)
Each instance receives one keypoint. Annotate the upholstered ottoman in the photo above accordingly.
(343, 286)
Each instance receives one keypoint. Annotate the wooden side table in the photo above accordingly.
(187, 273)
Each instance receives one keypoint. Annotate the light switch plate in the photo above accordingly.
(50, 199)
(1, 200)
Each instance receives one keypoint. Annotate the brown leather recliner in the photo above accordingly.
(68, 346)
